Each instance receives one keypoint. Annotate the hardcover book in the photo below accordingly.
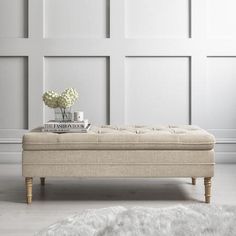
(68, 130)
(67, 127)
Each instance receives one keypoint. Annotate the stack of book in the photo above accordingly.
(67, 127)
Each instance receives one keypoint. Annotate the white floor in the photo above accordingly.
(63, 197)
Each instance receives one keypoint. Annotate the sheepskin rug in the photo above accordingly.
(189, 220)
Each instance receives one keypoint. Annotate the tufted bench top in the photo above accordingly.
(110, 137)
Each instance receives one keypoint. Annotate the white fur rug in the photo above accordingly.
(190, 220)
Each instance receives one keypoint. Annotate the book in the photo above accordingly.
(68, 130)
(66, 125)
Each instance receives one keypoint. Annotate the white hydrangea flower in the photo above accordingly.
(72, 93)
(65, 100)
(50, 99)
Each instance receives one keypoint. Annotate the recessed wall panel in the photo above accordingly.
(13, 18)
(220, 93)
(157, 18)
(77, 18)
(221, 18)
(89, 76)
(157, 90)
(13, 93)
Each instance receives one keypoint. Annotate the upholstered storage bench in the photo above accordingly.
(120, 151)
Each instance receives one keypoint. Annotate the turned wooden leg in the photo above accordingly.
(42, 180)
(29, 184)
(193, 181)
(207, 183)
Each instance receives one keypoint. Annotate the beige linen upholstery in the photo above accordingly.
(123, 138)
(120, 151)
(114, 163)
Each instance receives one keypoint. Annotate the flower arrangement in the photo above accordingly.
(62, 101)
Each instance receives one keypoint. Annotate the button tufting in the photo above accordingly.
(125, 137)
(160, 130)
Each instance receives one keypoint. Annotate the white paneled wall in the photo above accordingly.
(157, 19)
(14, 93)
(132, 61)
(89, 75)
(76, 18)
(220, 88)
(157, 90)
(221, 18)
(13, 18)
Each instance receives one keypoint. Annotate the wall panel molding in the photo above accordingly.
(13, 19)
(158, 90)
(92, 84)
(76, 18)
(144, 19)
(220, 96)
(14, 92)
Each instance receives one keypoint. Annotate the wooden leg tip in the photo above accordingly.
(193, 181)
(42, 180)
(208, 200)
(29, 200)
